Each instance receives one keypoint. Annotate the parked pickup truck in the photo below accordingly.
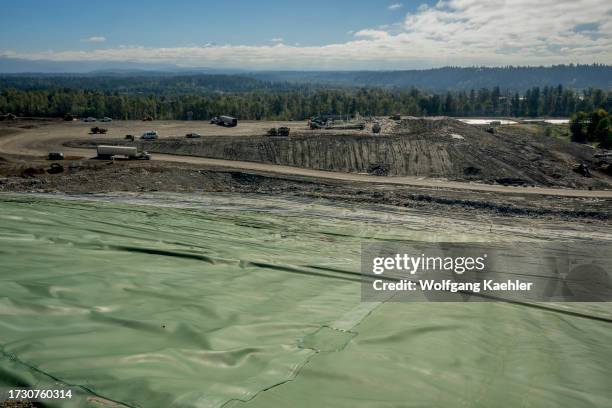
(128, 152)
(150, 135)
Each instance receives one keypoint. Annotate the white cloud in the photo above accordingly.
(395, 6)
(95, 39)
(372, 34)
(454, 32)
(277, 40)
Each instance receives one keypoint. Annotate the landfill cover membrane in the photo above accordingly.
(226, 300)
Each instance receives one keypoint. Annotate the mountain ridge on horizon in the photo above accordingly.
(576, 76)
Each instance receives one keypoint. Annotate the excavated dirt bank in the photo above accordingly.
(439, 148)
(93, 176)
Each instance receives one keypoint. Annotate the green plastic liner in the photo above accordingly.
(169, 300)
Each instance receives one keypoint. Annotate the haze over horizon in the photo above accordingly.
(287, 35)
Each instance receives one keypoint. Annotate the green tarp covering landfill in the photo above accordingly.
(220, 300)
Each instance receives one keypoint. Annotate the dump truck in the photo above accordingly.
(224, 120)
(128, 152)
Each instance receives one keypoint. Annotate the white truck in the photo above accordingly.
(150, 135)
(224, 120)
(128, 152)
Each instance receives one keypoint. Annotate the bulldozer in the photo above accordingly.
(98, 131)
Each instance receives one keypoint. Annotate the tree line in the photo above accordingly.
(515, 78)
(297, 103)
(593, 127)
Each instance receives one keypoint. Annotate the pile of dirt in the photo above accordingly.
(89, 176)
(439, 148)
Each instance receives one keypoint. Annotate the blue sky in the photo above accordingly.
(318, 34)
(64, 25)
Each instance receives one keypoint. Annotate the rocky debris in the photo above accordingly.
(512, 181)
(95, 177)
(583, 170)
(472, 171)
(281, 131)
(378, 169)
(32, 171)
(55, 168)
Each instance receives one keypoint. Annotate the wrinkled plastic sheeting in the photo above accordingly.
(158, 306)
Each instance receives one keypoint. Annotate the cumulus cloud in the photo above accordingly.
(395, 6)
(372, 34)
(277, 40)
(95, 39)
(453, 32)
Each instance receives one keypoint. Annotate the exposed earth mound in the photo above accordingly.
(440, 148)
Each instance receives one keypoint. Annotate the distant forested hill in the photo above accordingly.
(456, 78)
(513, 79)
(144, 83)
(555, 91)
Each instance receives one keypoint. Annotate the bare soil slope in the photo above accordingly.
(439, 148)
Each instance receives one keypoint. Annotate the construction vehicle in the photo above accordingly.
(98, 131)
(224, 120)
(150, 135)
(8, 116)
(338, 122)
(376, 128)
(281, 131)
(128, 152)
(55, 156)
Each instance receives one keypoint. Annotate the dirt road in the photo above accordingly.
(40, 138)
